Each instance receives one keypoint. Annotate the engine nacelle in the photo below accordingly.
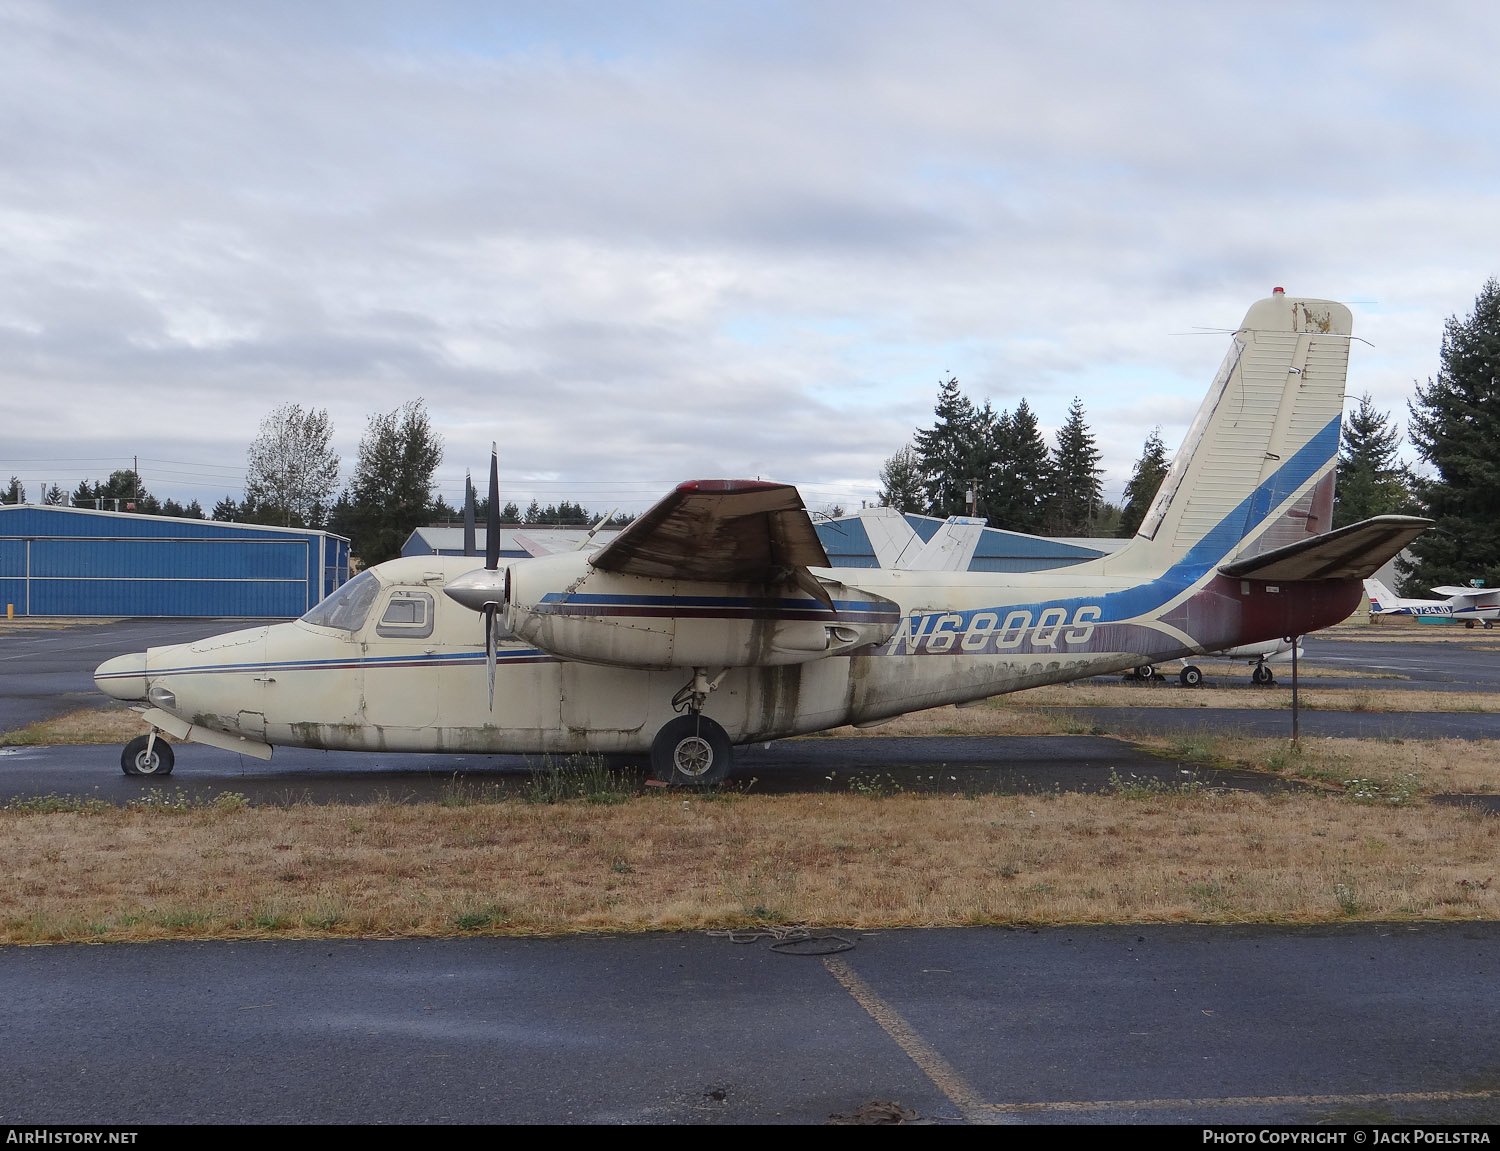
(572, 610)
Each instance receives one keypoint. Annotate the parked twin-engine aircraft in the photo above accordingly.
(715, 618)
(1470, 604)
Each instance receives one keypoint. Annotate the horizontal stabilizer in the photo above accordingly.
(1355, 552)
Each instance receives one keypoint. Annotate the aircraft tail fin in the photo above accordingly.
(1255, 472)
(894, 540)
(951, 547)
(1381, 597)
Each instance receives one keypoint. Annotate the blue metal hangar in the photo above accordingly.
(58, 561)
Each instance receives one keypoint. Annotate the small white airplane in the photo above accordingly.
(1470, 604)
(715, 619)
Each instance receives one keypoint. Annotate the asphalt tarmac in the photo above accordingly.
(1016, 764)
(1360, 1024)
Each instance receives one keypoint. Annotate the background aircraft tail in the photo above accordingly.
(1256, 469)
(1381, 597)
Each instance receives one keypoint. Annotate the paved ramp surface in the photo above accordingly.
(945, 765)
(1259, 1025)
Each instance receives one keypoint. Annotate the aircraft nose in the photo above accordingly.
(123, 677)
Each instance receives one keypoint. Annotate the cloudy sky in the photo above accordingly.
(642, 243)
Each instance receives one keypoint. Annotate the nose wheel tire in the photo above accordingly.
(691, 750)
(1190, 676)
(135, 761)
(1262, 676)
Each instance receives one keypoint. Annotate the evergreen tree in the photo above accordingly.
(1369, 480)
(901, 482)
(1022, 477)
(16, 493)
(390, 493)
(226, 511)
(123, 491)
(955, 453)
(1144, 483)
(1455, 425)
(1076, 488)
(55, 497)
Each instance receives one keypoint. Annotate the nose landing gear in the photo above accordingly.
(147, 755)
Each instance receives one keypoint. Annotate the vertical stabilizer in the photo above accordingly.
(1381, 597)
(951, 547)
(890, 536)
(1256, 468)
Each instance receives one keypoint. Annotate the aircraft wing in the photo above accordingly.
(1471, 593)
(1354, 552)
(720, 531)
(533, 547)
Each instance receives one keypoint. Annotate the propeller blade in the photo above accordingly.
(491, 643)
(470, 549)
(492, 521)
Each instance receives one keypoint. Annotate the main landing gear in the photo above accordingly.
(1263, 676)
(147, 755)
(692, 749)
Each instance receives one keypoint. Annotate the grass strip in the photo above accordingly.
(668, 861)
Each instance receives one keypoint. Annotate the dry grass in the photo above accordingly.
(1088, 694)
(91, 725)
(1038, 711)
(1394, 768)
(675, 863)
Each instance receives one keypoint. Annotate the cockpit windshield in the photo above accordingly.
(346, 608)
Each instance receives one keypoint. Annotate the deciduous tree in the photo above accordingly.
(291, 471)
(901, 482)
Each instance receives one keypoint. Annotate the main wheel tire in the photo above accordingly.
(1489, 624)
(135, 761)
(691, 749)
(1262, 676)
(1190, 676)
(1468, 623)
(1145, 672)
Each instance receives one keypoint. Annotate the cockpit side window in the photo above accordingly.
(347, 608)
(407, 615)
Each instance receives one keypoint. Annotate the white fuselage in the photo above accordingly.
(960, 636)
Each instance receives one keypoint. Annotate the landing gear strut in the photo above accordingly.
(692, 749)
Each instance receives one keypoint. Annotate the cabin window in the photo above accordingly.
(347, 608)
(407, 615)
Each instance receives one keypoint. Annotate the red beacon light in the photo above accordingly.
(1278, 291)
